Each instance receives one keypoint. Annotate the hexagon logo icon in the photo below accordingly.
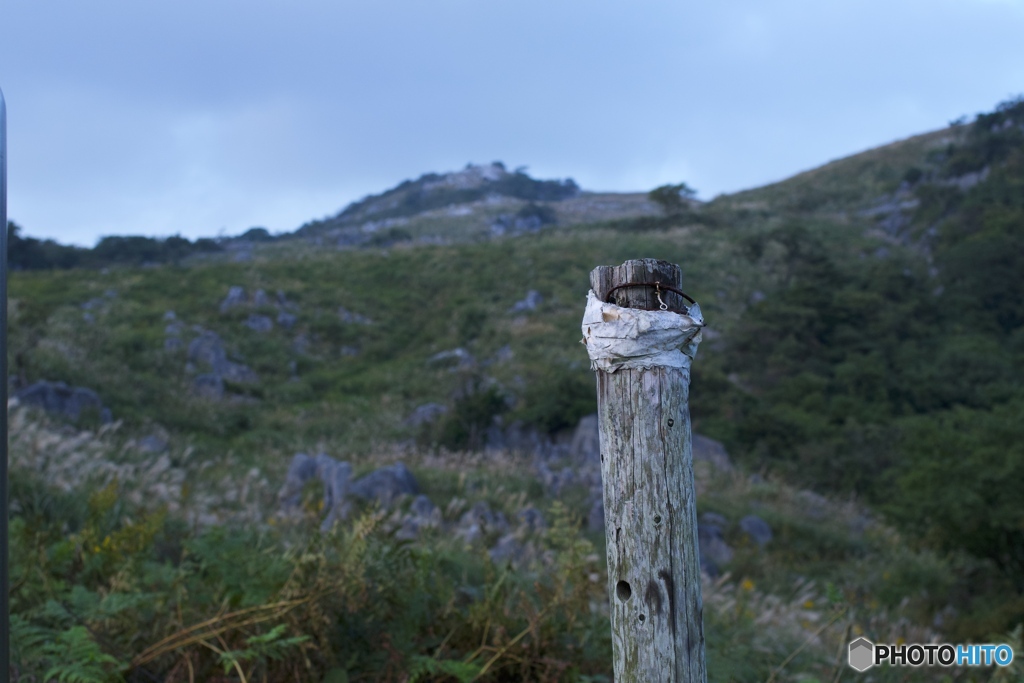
(862, 654)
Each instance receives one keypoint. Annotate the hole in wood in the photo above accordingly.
(623, 591)
(671, 422)
(642, 618)
(657, 520)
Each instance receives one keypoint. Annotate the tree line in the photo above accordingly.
(29, 253)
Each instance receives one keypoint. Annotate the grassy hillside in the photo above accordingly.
(865, 342)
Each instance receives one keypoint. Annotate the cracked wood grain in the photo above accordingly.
(650, 504)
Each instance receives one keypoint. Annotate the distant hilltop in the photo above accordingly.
(431, 191)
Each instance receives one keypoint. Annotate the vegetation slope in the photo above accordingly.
(865, 341)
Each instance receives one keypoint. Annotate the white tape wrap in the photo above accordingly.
(618, 337)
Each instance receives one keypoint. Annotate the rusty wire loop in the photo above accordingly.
(658, 286)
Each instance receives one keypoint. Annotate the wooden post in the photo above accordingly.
(649, 499)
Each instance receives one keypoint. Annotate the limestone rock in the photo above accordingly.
(480, 521)
(301, 470)
(208, 350)
(586, 440)
(531, 520)
(713, 549)
(454, 359)
(425, 414)
(756, 529)
(711, 451)
(423, 514)
(209, 385)
(287, 320)
(235, 297)
(352, 318)
(60, 399)
(528, 303)
(386, 484)
(259, 323)
(260, 298)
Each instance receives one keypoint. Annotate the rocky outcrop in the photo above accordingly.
(714, 551)
(235, 298)
(350, 318)
(453, 359)
(425, 414)
(386, 485)
(259, 323)
(712, 452)
(57, 398)
(207, 352)
(480, 525)
(527, 303)
(586, 440)
(756, 530)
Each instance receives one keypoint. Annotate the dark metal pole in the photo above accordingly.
(5, 606)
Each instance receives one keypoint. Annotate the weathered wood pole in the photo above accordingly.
(649, 498)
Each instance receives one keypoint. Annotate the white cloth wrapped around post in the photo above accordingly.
(618, 337)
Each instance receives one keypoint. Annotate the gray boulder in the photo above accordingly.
(503, 355)
(337, 480)
(531, 520)
(386, 484)
(424, 508)
(172, 332)
(335, 477)
(712, 548)
(260, 298)
(528, 303)
(756, 529)
(507, 550)
(282, 300)
(59, 399)
(711, 451)
(209, 385)
(259, 323)
(479, 521)
(302, 469)
(287, 320)
(235, 297)
(152, 444)
(423, 514)
(410, 529)
(208, 350)
(586, 440)
(812, 504)
(555, 482)
(425, 414)
(454, 359)
(352, 318)
(239, 373)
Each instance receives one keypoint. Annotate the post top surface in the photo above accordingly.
(604, 279)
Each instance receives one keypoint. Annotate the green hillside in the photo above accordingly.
(865, 343)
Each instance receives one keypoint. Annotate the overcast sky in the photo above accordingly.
(202, 117)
